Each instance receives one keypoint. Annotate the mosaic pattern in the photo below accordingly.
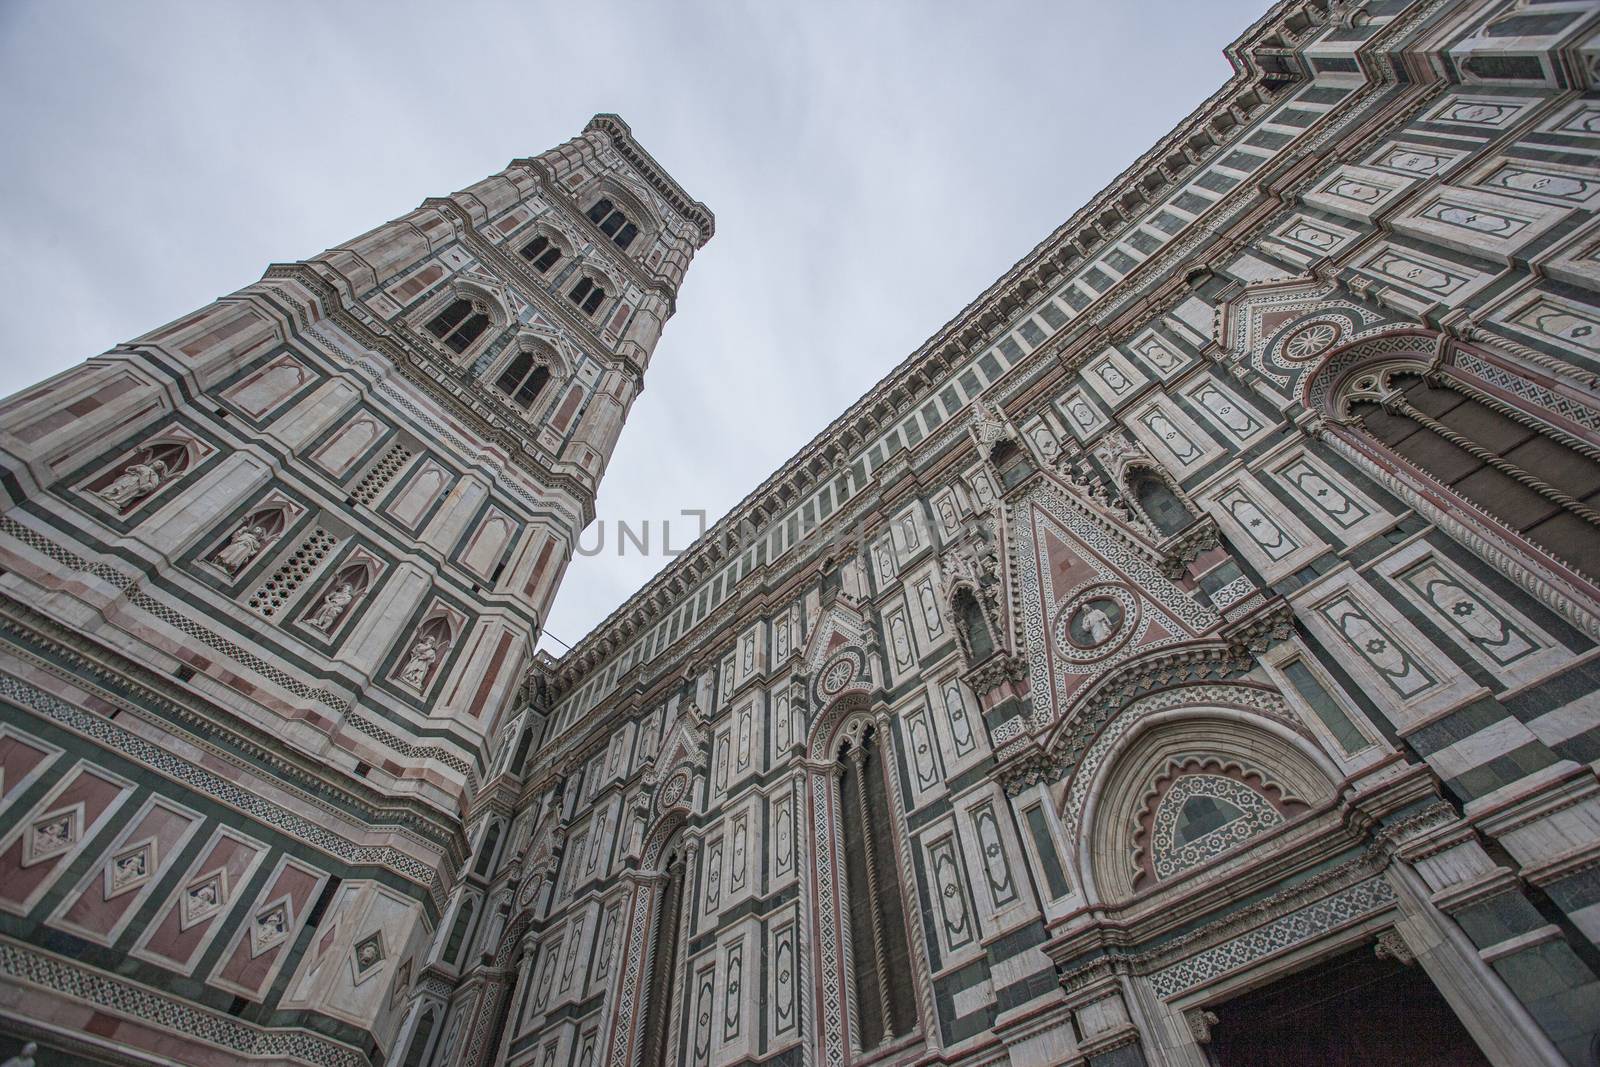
(152, 1008)
(1253, 814)
(1299, 926)
(1037, 590)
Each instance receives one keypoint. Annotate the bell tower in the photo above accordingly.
(270, 576)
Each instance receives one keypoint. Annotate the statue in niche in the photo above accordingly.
(420, 661)
(241, 548)
(332, 607)
(136, 480)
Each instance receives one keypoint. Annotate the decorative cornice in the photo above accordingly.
(622, 140)
(1037, 273)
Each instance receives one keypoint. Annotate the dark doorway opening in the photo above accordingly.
(1353, 1010)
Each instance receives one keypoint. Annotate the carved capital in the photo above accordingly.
(1391, 946)
(1200, 1022)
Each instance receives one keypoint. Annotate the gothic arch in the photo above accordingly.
(487, 297)
(557, 236)
(637, 209)
(547, 349)
(822, 738)
(597, 274)
(1253, 776)
(493, 295)
(659, 836)
(520, 363)
(1503, 454)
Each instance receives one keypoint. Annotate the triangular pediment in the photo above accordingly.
(1090, 599)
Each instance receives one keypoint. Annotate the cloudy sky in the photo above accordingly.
(872, 165)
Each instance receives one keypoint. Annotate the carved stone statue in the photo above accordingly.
(1098, 624)
(241, 548)
(420, 661)
(135, 481)
(332, 607)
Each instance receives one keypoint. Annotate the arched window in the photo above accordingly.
(587, 295)
(521, 756)
(460, 324)
(1535, 485)
(522, 381)
(1158, 502)
(416, 1055)
(664, 962)
(613, 223)
(880, 950)
(542, 252)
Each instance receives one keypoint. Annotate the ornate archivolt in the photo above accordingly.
(1523, 392)
(1166, 791)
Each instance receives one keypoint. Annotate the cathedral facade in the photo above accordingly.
(1188, 656)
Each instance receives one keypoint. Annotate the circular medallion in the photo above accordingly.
(838, 674)
(1311, 341)
(675, 789)
(1096, 622)
(529, 887)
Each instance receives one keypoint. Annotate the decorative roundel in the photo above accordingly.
(838, 674)
(674, 790)
(1311, 340)
(1096, 622)
(529, 886)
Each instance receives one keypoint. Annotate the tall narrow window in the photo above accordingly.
(542, 253)
(663, 963)
(587, 295)
(419, 1042)
(522, 381)
(1159, 503)
(880, 952)
(1534, 484)
(460, 324)
(458, 932)
(491, 841)
(601, 209)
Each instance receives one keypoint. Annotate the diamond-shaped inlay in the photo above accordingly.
(130, 867)
(368, 957)
(51, 834)
(270, 927)
(203, 898)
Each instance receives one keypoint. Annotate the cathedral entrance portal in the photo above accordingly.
(1353, 1010)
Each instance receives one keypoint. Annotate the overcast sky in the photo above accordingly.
(872, 167)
